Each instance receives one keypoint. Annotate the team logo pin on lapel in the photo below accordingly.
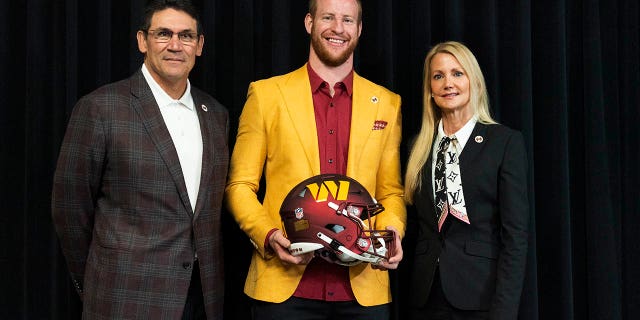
(479, 139)
(204, 108)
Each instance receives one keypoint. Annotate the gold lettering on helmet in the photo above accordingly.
(320, 192)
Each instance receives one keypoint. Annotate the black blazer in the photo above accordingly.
(481, 264)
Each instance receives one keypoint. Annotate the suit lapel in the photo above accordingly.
(147, 108)
(423, 198)
(208, 147)
(468, 162)
(296, 93)
(213, 127)
(427, 183)
(364, 112)
(472, 148)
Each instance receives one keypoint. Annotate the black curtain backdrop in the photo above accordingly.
(564, 72)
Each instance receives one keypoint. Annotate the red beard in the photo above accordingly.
(329, 58)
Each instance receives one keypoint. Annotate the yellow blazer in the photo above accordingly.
(277, 134)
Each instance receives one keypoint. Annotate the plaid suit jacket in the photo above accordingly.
(121, 209)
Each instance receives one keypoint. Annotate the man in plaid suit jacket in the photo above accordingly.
(139, 183)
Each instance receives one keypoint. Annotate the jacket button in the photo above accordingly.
(186, 265)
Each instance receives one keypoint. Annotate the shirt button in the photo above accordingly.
(331, 104)
(186, 265)
(330, 160)
(331, 131)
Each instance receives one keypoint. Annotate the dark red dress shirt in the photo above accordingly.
(323, 280)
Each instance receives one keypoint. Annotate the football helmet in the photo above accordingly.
(326, 214)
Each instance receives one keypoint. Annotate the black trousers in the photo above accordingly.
(439, 308)
(308, 309)
(194, 306)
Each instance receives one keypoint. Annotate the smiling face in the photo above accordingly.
(449, 84)
(334, 29)
(169, 63)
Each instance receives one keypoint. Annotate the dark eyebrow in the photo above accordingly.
(167, 29)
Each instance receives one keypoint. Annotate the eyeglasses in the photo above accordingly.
(165, 35)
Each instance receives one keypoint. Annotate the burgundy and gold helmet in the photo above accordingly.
(326, 214)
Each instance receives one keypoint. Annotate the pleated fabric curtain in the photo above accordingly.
(566, 73)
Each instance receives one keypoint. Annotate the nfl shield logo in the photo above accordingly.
(299, 213)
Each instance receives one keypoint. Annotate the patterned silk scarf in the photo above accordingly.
(448, 183)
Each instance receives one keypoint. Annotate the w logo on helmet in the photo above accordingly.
(339, 190)
(329, 214)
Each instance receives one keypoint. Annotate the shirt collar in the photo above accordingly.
(162, 98)
(316, 81)
(461, 135)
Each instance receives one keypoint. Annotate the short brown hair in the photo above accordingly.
(313, 7)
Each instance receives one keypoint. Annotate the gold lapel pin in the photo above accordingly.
(479, 139)
(204, 108)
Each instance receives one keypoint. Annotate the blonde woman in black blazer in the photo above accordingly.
(468, 269)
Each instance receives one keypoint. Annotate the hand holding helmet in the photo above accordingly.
(280, 244)
(326, 214)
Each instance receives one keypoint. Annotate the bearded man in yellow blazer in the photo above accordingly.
(289, 129)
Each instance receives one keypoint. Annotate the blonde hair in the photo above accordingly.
(479, 102)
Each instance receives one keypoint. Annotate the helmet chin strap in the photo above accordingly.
(335, 206)
(345, 213)
(338, 246)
